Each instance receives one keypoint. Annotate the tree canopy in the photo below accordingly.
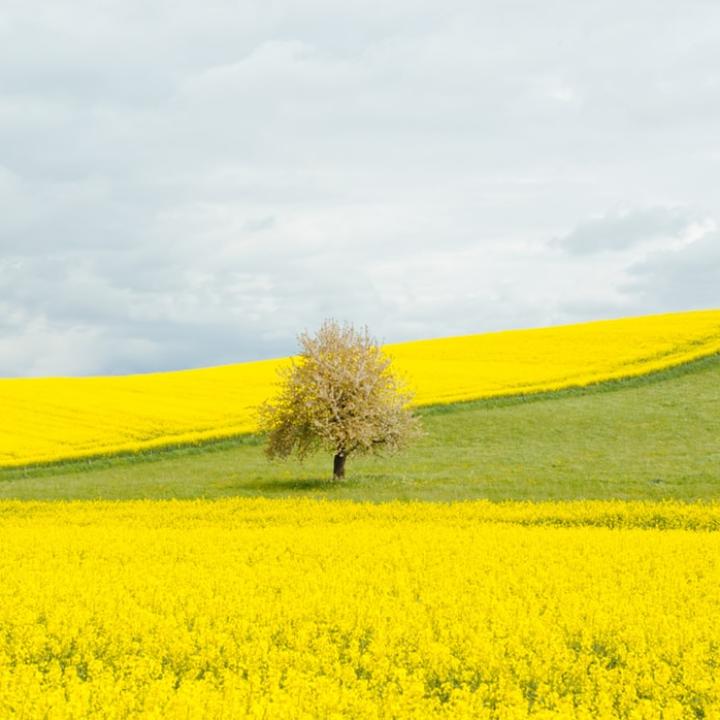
(340, 395)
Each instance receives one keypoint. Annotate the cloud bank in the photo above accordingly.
(194, 185)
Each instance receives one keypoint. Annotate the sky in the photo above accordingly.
(187, 184)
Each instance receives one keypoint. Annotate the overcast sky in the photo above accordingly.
(192, 183)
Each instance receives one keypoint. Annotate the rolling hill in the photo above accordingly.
(46, 420)
(651, 437)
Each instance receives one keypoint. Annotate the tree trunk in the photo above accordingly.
(339, 467)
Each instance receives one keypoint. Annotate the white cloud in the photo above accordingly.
(193, 185)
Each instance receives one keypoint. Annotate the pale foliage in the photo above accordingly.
(339, 395)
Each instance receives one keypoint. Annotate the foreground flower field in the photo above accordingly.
(50, 419)
(288, 609)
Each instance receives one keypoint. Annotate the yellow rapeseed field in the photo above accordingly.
(48, 419)
(301, 609)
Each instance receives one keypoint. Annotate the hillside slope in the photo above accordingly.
(49, 419)
(649, 438)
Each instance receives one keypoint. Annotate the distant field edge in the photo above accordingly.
(680, 369)
(702, 516)
(173, 449)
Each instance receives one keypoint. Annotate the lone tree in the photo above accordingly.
(338, 395)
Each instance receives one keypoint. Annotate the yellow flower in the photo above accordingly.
(48, 419)
(289, 609)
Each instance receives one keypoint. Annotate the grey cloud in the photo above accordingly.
(622, 230)
(685, 278)
(194, 185)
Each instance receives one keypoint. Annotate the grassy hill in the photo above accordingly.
(652, 437)
(57, 419)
